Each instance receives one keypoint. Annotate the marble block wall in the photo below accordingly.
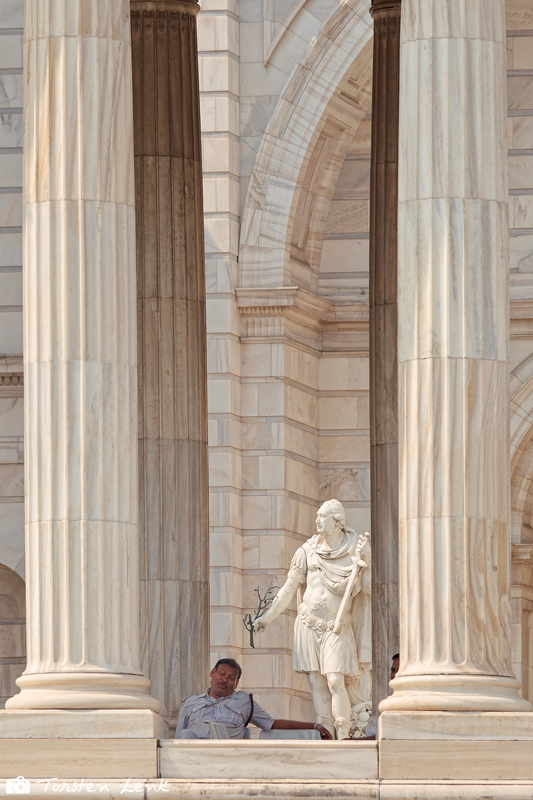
(519, 22)
(12, 613)
(11, 25)
(345, 254)
(280, 454)
(288, 413)
(271, 40)
(304, 418)
(218, 46)
(520, 142)
(288, 393)
(11, 403)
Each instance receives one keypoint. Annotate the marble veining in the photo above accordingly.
(453, 369)
(80, 361)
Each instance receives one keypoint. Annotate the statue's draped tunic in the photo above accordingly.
(316, 648)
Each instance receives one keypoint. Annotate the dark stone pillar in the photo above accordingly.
(384, 340)
(173, 476)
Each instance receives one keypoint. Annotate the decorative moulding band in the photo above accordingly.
(384, 6)
(522, 552)
(521, 309)
(288, 313)
(11, 384)
(12, 379)
(300, 306)
(165, 5)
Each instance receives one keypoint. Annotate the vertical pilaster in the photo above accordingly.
(173, 480)
(453, 363)
(80, 361)
(383, 302)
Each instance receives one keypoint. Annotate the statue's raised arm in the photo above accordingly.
(281, 602)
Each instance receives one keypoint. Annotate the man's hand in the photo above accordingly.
(324, 733)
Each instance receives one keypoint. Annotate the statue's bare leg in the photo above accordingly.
(321, 700)
(340, 704)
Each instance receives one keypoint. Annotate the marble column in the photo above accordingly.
(80, 370)
(453, 319)
(173, 477)
(384, 340)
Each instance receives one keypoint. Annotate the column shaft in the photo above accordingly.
(453, 369)
(173, 477)
(80, 361)
(384, 340)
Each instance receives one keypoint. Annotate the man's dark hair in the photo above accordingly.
(396, 656)
(231, 663)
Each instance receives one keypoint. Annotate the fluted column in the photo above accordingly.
(453, 369)
(173, 478)
(80, 401)
(384, 340)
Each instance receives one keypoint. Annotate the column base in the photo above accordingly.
(455, 693)
(96, 724)
(79, 690)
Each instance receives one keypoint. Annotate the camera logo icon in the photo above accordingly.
(18, 785)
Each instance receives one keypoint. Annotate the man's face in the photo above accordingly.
(394, 668)
(325, 523)
(224, 680)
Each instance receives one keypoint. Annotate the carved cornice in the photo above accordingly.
(522, 552)
(299, 315)
(284, 298)
(12, 379)
(385, 7)
(170, 6)
(11, 384)
(521, 326)
(282, 311)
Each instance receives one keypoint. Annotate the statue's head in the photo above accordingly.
(330, 518)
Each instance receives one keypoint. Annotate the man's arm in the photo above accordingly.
(263, 720)
(295, 725)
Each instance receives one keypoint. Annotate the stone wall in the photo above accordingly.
(257, 446)
(520, 142)
(288, 389)
(12, 644)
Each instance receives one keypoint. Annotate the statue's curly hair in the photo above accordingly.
(337, 511)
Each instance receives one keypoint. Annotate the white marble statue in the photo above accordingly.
(332, 631)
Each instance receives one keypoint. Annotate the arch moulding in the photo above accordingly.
(301, 153)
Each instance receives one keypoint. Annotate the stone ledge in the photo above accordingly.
(456, 790)
(141, 789)
(456, 760)
(77, 758)
(81, 724)
(456, 725)
(295, 760)
(287, 789)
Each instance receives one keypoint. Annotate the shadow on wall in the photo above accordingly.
(12, 632)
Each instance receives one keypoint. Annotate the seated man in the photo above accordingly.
(222, 703)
